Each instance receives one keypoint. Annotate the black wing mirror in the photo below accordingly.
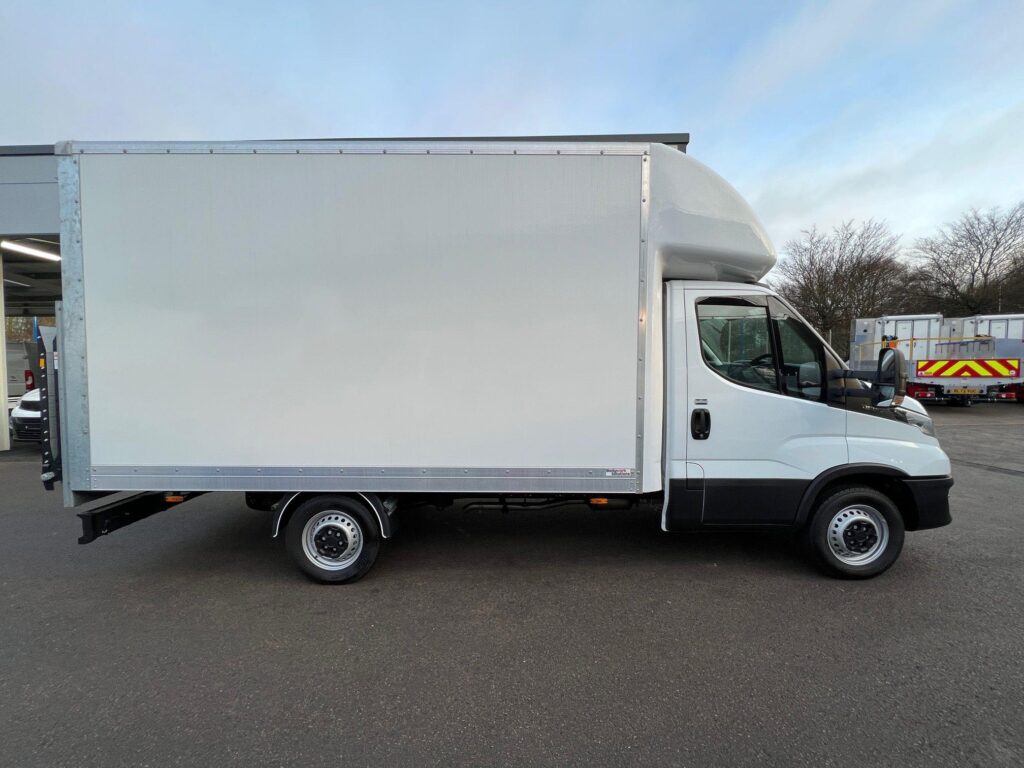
(892, 373)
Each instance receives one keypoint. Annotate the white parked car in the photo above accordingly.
(26, 418)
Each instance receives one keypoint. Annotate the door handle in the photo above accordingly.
(700, 423)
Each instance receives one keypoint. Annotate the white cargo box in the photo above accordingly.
(394, 316)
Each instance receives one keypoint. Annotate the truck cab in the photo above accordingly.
(765, 424)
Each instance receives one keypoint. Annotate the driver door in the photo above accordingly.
(755, 422)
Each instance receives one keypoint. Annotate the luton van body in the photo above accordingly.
(530, 322)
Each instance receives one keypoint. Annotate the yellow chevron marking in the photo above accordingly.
(978, 368)
(936, 364)
(953, 369)
(998, 367)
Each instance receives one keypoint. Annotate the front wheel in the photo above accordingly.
(333, 539)
(856, 533)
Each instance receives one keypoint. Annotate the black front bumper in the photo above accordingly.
(26, 429)
(931, 499)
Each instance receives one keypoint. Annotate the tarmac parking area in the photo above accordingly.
(536, 638)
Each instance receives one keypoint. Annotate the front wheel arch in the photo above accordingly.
(887, 480)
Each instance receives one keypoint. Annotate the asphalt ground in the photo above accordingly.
(573, 637)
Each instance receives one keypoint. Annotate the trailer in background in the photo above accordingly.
(961, 360)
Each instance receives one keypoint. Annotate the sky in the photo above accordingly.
(909, 111)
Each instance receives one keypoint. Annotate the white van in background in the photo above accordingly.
(20, 376)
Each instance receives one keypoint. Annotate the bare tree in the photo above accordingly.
(852, 271)
(974, 265)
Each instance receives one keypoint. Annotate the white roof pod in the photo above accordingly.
(700, 228)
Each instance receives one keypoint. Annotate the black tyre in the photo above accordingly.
(333, 539)
(856, 533)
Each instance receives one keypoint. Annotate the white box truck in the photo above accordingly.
(520, 321)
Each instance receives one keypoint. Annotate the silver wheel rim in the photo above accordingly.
(858, 535)
(332, 540)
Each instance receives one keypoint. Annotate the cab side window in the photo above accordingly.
(735, 341)
(801, 355)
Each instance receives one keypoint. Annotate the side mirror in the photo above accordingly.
(892, 372)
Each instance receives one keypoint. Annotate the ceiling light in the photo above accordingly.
(8, 245)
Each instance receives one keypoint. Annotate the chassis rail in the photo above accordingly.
(124, 510)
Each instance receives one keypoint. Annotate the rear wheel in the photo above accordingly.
(856, 533)
(333, 539)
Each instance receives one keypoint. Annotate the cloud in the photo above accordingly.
(802, 47)
(973, 158)
(793, 48)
